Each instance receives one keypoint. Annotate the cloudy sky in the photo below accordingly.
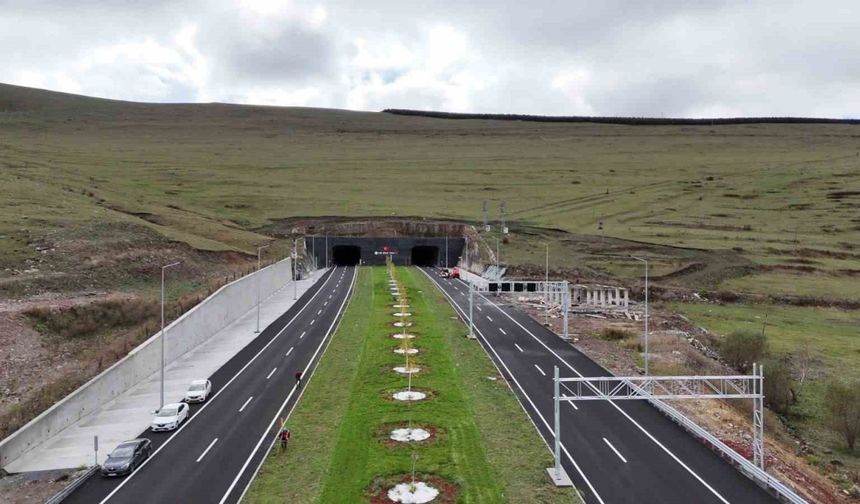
(683, 58)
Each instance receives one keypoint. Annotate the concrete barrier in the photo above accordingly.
(194, 327)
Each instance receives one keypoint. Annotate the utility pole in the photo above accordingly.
(162, 329)
(313, 250)
(484, 211)
(295, 268)
(557, 440)
(446, 251)
(497, 252)
(546, 287)
(502, 218)
(471, 304)
(259, 263)
(647, 358)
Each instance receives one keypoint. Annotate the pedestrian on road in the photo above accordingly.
(299, 378)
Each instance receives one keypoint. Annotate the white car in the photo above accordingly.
(198, 391)
(169, 417)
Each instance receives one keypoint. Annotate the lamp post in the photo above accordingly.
(162, 329)
(259, 263)
(646, 310)
(446, 251)
(546, 286)
(295, 268)
(497, 253)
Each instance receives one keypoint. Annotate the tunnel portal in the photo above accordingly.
(425, 255)
(346, 255)
(377, 250)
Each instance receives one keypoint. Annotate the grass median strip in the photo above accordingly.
(482, 447)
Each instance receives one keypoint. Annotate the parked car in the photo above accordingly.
(126, 457)
(198, 391)
(169, 417)
(455, 272)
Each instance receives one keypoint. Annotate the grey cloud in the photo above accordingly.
(672, 57)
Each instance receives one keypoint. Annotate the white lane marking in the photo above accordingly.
(329, 296)
(615, 450)
(572, 404)
(479, 308)
(271, 372)
(289, 352)
(319, 312)
(540, 370)
(312, 321)
(612, 403)
(489, 318)
(518, 347)
(303, 333)
(246, 403)
(207, 449)
(325, 340)
(222, 389)
(502, 331)
(528, 398)
(325, 304)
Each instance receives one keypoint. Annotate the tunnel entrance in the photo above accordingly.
(424, 255)
(346, 255)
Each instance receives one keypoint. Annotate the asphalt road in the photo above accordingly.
(615, 452)
(212, 458)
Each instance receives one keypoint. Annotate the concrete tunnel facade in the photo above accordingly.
(405, 251)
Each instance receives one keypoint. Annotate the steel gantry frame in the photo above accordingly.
(659, 388)
(556, 291)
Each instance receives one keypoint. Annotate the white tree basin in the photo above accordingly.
(407, 351)
(409, 395)
(404, 336)
(400, 306)
(403, 324)
(408, 493)
(402, 314)
(407, 435)
(407, 370)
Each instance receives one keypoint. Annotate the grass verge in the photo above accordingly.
(484, 444)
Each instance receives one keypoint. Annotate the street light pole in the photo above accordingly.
(647, 358)
(546, 287)
(326, 250)
(259, 262)
(497, 252)
(295, 268)
(446, 251)
(162, 330)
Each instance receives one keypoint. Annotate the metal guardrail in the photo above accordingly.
(71, 487)
(745, 466)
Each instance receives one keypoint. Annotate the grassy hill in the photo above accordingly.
(763, 209)
(212, 174)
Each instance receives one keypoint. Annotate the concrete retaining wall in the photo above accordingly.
(194, 327)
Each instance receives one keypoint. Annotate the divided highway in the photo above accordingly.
(615, 452)
(214, 455)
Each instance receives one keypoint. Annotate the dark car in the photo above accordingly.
(126, 457)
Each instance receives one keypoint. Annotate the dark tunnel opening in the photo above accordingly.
(346, 255)
(425, 255)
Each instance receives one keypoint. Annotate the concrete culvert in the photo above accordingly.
(346, 255)
(425, 255)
